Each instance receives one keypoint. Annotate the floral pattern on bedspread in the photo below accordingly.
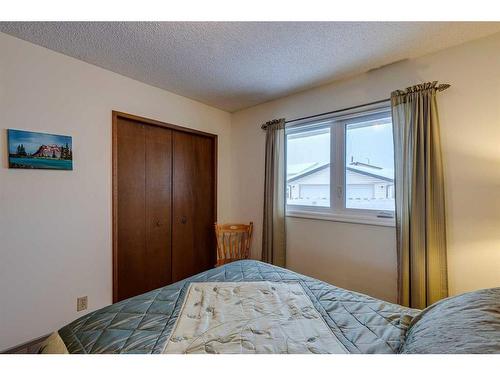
(250, 317)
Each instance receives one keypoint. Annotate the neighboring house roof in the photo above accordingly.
(308, 172)
(386, 174)
(300, 168)
(364, 169)
(373, 174)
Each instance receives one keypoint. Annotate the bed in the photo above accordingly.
(253, 307)
(144, 323)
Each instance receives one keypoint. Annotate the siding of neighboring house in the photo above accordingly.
(314, 188)
(311, 189)
(362, 186)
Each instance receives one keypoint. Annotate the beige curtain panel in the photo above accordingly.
(420, 205)
(273, 238)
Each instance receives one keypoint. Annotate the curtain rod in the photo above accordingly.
(337, 111)
(441, 87)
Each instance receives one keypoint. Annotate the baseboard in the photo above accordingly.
(30, 347)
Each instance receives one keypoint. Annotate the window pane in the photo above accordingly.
(369, 165)
(308, 168)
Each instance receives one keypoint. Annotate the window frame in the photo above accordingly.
(338, 210)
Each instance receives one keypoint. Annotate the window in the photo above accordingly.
(369, 164)
(308, 167)
(342, 168)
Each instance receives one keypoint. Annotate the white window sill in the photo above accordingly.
(344, 218)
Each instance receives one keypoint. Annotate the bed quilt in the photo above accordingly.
(143, 324)
(253, 317)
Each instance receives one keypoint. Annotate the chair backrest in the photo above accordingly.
(233, 242)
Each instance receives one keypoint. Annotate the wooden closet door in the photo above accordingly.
(130, 208)
(144, 189)
(193, 239)
(158, 182)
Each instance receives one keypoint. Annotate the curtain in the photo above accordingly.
(420, 206)
(273, 237)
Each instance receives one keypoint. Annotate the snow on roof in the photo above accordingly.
(296, 171)
(385, 173)
(293, 170)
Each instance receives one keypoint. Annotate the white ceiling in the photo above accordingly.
(234, 65)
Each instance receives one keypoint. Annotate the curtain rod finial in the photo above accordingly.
(443, 86)
(273, 122)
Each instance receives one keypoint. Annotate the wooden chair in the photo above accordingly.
(233, 242)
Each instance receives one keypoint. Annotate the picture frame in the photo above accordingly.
(34, 150)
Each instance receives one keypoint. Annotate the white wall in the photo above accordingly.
(55, 226)
(363, 257)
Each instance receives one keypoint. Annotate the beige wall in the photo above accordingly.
(362, 257)
(344, 254)
(55, 226)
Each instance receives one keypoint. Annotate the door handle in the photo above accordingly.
(184, 219)
(157, 223)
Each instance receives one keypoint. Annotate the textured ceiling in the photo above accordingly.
(234, 65)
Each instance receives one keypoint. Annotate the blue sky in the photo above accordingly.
(32, 141)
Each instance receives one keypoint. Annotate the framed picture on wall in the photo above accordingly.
(32, 150)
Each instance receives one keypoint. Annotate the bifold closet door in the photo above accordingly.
(143, 208)
(158, 207)
(194, 174)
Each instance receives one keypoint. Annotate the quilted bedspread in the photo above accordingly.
(143, 324)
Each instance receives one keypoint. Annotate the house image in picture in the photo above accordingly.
(367, 186)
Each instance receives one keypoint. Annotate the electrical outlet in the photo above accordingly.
(81, 303)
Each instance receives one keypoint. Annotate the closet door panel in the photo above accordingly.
(131, 194)
(158, 206)
(193, 247)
